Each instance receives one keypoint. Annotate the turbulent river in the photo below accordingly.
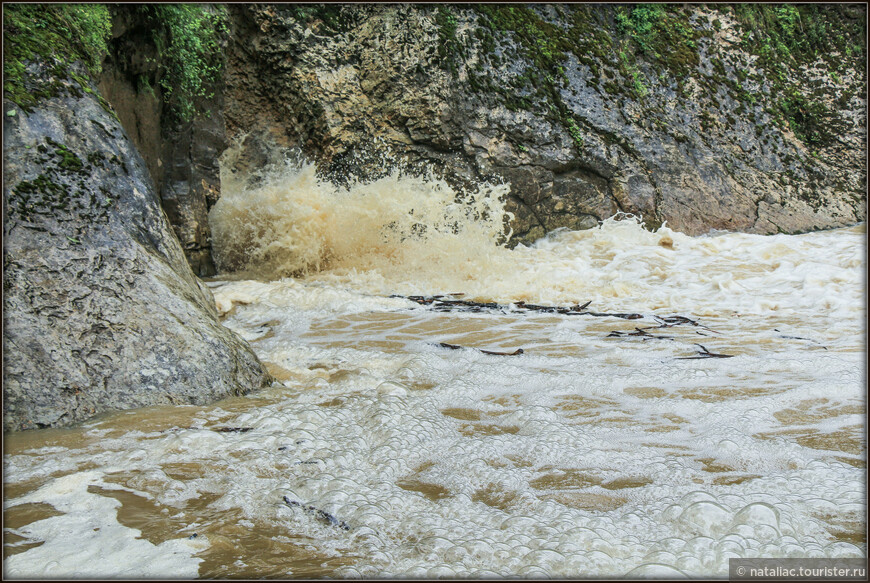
(646, 445)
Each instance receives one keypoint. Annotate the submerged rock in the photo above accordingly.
(102, 311)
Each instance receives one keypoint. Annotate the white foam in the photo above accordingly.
(587, 454)
(86, 541)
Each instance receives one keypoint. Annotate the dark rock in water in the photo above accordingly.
(442, 305)
(516, 352)
(102, 311)
(638, 332)
(704, 353)
(320, 515)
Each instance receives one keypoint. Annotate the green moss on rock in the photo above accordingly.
(785, 37)
(661, 33)
(61, 186)
(330, 19)
(58, 34)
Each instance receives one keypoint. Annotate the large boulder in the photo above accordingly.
(101, 308)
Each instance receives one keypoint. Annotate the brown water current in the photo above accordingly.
(598, 450)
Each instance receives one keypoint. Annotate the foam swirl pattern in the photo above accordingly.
(588, 454)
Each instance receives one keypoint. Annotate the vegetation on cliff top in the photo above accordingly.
(800, 33)
(58, 34)
(189, 41)
(786, 35)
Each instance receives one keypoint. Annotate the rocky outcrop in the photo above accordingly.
(101, 310)
(181, 156)
(684, 117)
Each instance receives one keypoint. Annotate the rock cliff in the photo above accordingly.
(101, 310)
(181, 154)
(748, 119)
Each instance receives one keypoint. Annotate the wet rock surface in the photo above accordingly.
(694, 142)
(101, 310)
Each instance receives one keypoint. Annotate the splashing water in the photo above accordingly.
(294, 223)
(416, 235)
(593, 453)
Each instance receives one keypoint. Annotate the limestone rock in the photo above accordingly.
(612, 129)
(101, 309)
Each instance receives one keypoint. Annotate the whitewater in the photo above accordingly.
(610, 446)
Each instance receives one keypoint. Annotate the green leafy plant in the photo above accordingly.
(629, 70)
(575, 133)
(661, 33)
(638, 85)
(188, 39)
(641, 24)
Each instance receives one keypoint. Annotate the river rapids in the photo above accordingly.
(611, 446)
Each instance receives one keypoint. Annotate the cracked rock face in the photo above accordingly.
(101, 310)
(689, 149)
(182, 158)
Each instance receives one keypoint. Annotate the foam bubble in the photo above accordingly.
(656, 571)
(100, 547)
